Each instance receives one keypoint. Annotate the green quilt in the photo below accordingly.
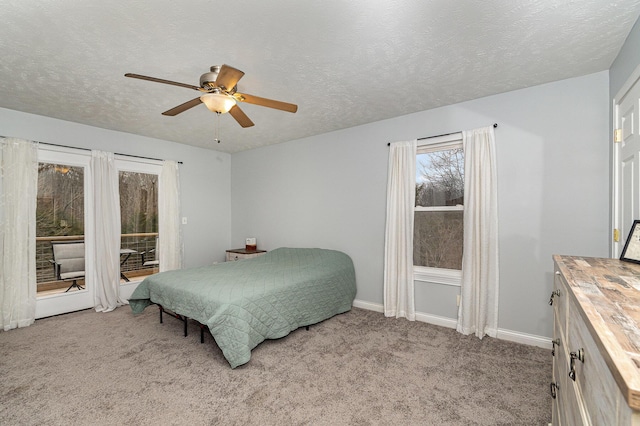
(266, 297)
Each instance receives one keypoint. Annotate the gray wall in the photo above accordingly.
(330, 191)
(204, 176)
(626, 61)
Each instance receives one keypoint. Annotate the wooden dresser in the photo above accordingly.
(596, 346)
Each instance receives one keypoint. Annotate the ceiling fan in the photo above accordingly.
(220, 95)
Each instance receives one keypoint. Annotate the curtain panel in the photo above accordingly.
(398, 246)
(478, 311)
(106, 244)
(170, 241)
(18, 190)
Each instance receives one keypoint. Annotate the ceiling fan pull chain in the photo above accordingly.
(217, 139)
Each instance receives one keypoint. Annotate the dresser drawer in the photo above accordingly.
(560, 300)
(569, 399)
(568, 408)
(592, 376)
(242, 254)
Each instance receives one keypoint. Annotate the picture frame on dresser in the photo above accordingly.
(631, 250)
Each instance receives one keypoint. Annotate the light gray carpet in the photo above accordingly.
(358, 368)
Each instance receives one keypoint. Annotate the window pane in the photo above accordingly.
(60, 204)
(138, 202)
(139, 224)
(440, 178)
(437, 239)
(59, 216)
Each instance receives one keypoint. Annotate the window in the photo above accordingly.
(439, 207)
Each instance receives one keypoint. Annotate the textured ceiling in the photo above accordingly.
(345, 63)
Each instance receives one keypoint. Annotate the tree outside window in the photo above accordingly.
(439, 207)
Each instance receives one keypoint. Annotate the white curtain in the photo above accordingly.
(398, 246)
(18, 192)
(478, 311)
(170, 241)
(106, 242)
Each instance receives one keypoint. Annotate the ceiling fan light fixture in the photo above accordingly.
(218, 102)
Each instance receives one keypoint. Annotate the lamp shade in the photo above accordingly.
(218, 102)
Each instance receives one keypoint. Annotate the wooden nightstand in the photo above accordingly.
(239, 254)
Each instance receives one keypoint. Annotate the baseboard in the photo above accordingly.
(527, 339)
(437, 320)
(509, 335)
(368, 305)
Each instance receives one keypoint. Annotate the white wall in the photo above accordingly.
(330, 191)
(204, 175)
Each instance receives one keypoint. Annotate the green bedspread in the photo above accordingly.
(266, 297)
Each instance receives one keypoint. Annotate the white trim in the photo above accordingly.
(440, 143)
(125, 164)
(127, 289)
(437, 320)
(457, 207)
(76, 300)
(615, 247)
(437, 275)
(524, 338)
(502, 334)
(134, 159)
(368, 306)
(63, 149)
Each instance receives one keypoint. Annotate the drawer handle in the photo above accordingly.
(553, 346)
(554, 293)
(572, 364)
(554, 386)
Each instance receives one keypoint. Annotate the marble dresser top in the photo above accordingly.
(607, 292)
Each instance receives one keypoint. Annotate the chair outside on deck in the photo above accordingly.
(68, 261)
(150, 257)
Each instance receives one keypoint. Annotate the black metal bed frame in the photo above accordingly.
(184, 319)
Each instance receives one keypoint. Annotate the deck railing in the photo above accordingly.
(140, 242)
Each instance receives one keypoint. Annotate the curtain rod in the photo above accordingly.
(88, 149)
(444, 134)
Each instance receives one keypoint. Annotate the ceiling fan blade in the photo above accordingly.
(240, 116)
(228, 77)
(159, 80)
(183, 107)
(270, 103)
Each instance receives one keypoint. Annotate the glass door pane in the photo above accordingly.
(59, 221)
(139, 220)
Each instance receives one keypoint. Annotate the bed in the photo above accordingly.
(245, 302)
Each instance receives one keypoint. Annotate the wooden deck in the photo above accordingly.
(57, 287)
